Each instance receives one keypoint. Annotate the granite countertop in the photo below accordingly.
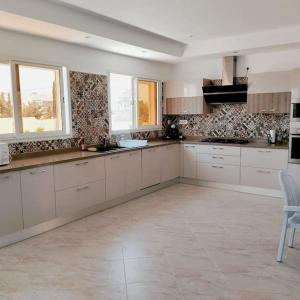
(34, 160)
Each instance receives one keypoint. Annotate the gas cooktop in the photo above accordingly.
(225, 141)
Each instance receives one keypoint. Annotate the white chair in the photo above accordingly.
(291, 210)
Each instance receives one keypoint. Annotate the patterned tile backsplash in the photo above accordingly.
(230, 120)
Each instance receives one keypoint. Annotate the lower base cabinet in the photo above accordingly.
(38, 195)
(151, 167)
(219, 173)
(73, 200)
(170, 158)
(11, 219)
(262, 178)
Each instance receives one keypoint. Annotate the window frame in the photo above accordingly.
(136, 127)
(65, 104)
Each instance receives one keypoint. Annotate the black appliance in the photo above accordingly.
(172, 132)
(225, 140)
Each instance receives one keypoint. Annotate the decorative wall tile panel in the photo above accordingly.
(230, 120)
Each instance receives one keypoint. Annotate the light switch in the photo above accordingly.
(183, 122)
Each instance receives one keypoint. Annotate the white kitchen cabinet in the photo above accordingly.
(189, 160)
(265, 158)
(133, 171)
(181, 88)
(170, 158)
(38, 197)
(260, 177)
(78, 172)
(219, 173)
(72, 200)
(151, 166)
(219, 159)
(115, 176)
(11, 219)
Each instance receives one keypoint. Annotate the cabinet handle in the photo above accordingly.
(5, 177)
(264, 151)
(133, 154)
(218, 148)
(263, 171)
(115, 157)
(218, 157)
(189, 146)
(37, 172)
(82, 163)
(151, 150)
(217, 167)
(82, 188)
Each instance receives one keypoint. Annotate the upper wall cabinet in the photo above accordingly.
(269, 103)
(183, 98)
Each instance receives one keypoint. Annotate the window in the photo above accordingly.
(33, 102)
(134, 103)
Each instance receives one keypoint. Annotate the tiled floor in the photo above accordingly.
(184, 242)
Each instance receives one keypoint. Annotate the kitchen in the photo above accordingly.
(138, 162)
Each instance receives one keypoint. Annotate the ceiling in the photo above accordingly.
(193, 20)
(167, 30)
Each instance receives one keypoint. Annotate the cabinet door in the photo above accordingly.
(133, 171)
(115, 179)
(282, 102)
(260, 103)
(11, 219)
(38, 196)
(72, 200)
(170, 162)
(190, 161)
(151, 167)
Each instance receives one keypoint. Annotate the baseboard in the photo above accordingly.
(49, 225)
(230, 187)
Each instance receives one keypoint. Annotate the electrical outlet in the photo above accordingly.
(183, 122)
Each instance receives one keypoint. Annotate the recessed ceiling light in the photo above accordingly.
(87, 37)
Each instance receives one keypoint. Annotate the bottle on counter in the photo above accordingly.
(82, 145)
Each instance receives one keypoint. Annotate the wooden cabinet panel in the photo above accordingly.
(151, 167)
(72, 200)
(78, 172)
(115, 179)
(269, 103)
(11, 219)
(186, 106)
(170, 162)
(265, 158)
(190, 161)
(133, 171)
(262, 178)
(38, 196)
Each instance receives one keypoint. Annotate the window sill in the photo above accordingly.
(127, 131)
(32, 138)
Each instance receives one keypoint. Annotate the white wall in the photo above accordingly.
(77, 58)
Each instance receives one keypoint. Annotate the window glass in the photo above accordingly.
(39, 98)
(6, 103)
(147, 103)
(121, 102)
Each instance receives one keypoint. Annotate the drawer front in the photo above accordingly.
(226, 150)
(219, 173)
(265, 158)
(78, 172)
(219, 159)
(72, 200)
(114, 165)
(263, 178)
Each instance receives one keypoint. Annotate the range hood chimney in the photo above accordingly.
(229, 91)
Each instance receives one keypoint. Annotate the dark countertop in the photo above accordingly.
(34, 160)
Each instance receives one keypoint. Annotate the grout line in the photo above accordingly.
(124, 272)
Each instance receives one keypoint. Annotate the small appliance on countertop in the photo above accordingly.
(4, 154)
(172, 132)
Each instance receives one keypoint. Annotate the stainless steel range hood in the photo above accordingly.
(229, 91)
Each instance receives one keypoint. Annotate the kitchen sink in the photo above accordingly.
(104, 149)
